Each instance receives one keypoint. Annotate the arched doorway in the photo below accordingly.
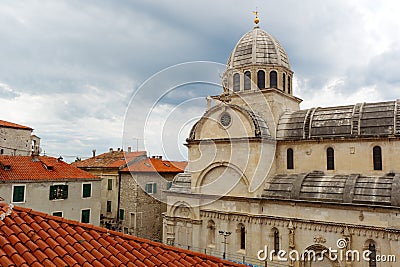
(317, 256)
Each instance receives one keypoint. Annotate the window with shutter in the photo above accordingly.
(85, 216)
(86, 190)
(18, 193)
(58, 192)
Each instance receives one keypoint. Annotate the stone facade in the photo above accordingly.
(263, 173)
(17, 140)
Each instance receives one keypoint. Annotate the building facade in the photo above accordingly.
(50, 185)
(17, 139)
(264, 174)
(107, 166)
(143, 200)
(132, 190)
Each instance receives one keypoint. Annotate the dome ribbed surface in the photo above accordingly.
(258, 47)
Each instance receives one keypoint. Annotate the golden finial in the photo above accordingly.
(256, 19)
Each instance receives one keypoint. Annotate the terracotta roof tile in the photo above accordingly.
(13, 125)
(156, 165)
(30, 238)
(45, 168)
(114, 159)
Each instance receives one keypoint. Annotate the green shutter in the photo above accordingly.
(85, 216)
(108, 206)
(154, 188)
(52, 192)
(109, 184)
(65, 192)
(121, 214)
(87, 190)
(19, 193)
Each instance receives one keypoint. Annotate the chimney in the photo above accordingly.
(119, 149)
(111, 149)
(160, 157)
(129, 149)
(94, 153)
(35, 153)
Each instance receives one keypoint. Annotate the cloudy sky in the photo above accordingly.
(69, 69)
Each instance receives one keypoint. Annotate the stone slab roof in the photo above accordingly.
(351, 189)
(380, 119)
(30, 238)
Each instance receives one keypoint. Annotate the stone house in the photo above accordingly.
(107, 166)
(143, 200)
(50, 185)
(17, 139)
(132, 190)
(286, 179)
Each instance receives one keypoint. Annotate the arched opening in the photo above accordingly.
(288, 85)
(247, 80)
(241, 230)
(276, 241)
(377, 157)
(330, 159)
(284, 82)
(236, 82)
(261, 79)
(211, 232)
(372, 256)
(289, 159)
(273, 79)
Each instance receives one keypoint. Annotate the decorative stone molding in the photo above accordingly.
(319, 239)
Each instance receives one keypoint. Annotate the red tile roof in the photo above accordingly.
(14, 168)
(156, 165)
(13, 125)
(31, 238)
(113, 159)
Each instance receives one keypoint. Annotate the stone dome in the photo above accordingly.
(258, 47)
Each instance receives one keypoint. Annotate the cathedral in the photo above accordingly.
(271, 184)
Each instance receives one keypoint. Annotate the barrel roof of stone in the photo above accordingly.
(350, 189)
(260, 126)
(379, 119)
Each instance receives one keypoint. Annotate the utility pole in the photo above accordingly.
(225, 235)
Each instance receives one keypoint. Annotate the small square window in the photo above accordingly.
(85, 216)
(59, 191)
(18, 195)
(109, 185)
(57, 213)
(151, 188)
(86, 190)
(108, 206)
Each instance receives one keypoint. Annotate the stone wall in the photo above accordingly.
(16, 142)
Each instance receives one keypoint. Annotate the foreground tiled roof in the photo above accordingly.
(13, 168)
(112, 159)
(156, 165)
(13, 125)
(30, 238)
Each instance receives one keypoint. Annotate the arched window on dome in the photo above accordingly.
(236, 82)
(288, 85)
(289, 159)
(284, 82)
(330, 159)
(261, 79)
(247, 80)
(273, 79)
(377, 156)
